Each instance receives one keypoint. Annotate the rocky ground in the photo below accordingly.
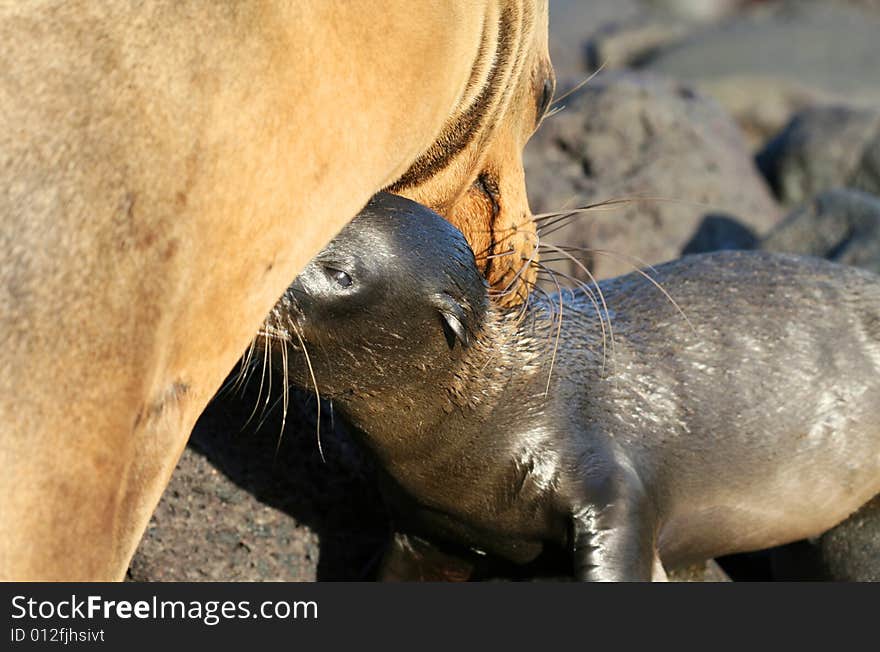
(724, 124)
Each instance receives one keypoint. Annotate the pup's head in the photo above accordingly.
(391, 301)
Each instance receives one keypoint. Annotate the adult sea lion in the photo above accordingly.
(166, 168)
(743, 415)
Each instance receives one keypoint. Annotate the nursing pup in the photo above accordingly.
(736, 409)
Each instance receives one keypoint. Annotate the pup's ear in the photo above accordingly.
(453, 319)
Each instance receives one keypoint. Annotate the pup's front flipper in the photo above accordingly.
(613, 533)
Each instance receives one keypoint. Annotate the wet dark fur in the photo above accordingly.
(756, 423)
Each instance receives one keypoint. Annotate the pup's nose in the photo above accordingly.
(297, 288)
(290, 303)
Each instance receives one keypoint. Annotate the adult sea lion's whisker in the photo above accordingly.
(548, 300)
(641, 272)
(558, 334)
(524, 266)
(512, 252)
(526, 301)
(592, 298)
(611, 202)
(497, 241)
(546, 220)
(592, 278)
(574, 89)
(631, 260)
(517, 319)
(553, 111)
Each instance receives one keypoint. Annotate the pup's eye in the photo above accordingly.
(341, 279)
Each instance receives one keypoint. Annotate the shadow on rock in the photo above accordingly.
(336, 497)
(248, 503)
(720, 233)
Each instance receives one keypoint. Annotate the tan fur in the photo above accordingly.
(167, 168)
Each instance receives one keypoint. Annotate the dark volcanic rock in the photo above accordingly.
(824, 148)
(238, 510)
(849, 552)
(709, 571)
(841, 225)
(639, 137)
(720, 233)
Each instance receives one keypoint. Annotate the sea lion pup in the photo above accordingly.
(751, 422)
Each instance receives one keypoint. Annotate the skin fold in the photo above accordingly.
(167, 168)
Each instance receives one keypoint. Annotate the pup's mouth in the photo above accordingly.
(290, 306)
(285, 322)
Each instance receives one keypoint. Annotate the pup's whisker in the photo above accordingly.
(317, 393)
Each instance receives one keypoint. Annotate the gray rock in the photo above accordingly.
(696, 10)
(709, 571)
(849, 552)
(573, 22)
(618, 45)
(867, 173)
(662, 23)
(823, 148)
(869, 5)
(842, 225)
(675, 154)
(768, 63)
(244, 506)
(720, 233)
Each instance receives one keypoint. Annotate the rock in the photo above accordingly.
(841, 225)
(572, 23)
(823, 148)
(849, 552)
(765, 64)
(720, 233)
(661, 23)
(867, 173)
(618, 45)
(236, 510)
(696, 10)
(709, 571)
(870, 5)
(677, 155)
